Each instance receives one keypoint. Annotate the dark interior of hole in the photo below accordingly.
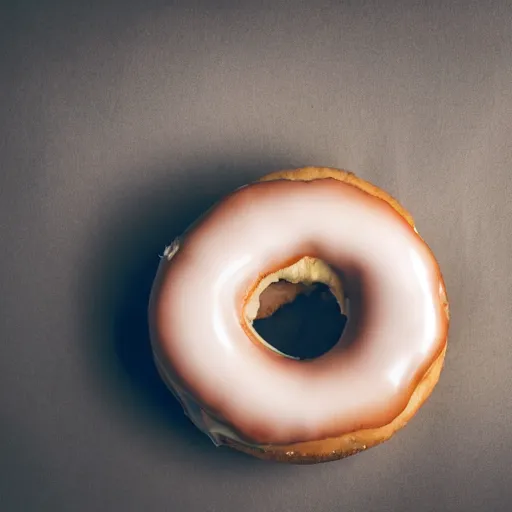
(307, 327)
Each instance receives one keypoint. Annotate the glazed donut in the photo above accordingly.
(304, 226)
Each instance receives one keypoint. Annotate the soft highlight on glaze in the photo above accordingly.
(396, 328)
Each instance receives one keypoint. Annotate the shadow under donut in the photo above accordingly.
(306, 328)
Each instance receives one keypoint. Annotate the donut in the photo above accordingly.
(298, 228)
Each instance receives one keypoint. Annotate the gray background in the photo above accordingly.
(121, 121)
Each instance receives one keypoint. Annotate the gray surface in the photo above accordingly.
(120, 122)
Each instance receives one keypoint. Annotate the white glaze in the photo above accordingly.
(196, 325)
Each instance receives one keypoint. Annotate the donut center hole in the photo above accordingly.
(303, 322)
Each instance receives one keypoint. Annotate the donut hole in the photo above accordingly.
(306, 326)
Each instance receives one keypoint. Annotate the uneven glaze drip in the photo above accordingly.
(395, 330)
